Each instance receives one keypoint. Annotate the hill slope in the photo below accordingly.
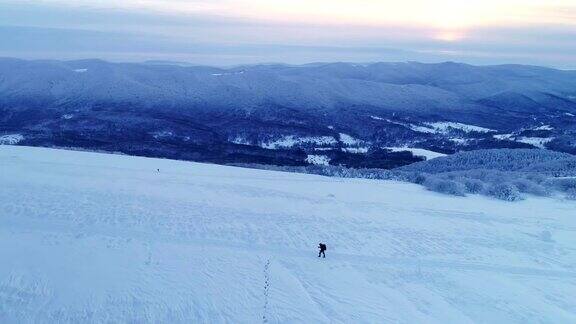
(87, 237)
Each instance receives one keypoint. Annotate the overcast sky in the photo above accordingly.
(229, 32)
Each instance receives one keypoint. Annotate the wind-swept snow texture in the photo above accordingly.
(94, 238)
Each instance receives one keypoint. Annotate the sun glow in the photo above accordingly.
(450, 35)
(446, 20)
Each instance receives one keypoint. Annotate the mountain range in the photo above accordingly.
(359, 115)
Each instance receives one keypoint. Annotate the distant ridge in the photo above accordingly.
(276, 113)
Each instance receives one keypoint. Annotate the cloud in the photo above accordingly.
(219, 32)
(435, 14)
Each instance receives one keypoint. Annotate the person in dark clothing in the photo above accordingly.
(322, 248)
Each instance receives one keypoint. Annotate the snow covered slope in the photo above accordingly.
(95, 238)
(418, 152)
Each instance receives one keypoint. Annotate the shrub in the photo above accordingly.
(474, 186)
(563, 185)
(449, 187)
(539, 190)
(536, 178)
(419, 178)
(529, 187)
(412, 177)
(571, 194)
(504, 191)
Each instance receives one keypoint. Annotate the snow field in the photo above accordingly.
(418, 152)
(92, 238)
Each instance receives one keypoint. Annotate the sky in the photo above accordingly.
(232, 32)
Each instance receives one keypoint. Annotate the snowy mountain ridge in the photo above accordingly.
(280, 114)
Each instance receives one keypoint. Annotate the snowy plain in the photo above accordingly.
(97, 238)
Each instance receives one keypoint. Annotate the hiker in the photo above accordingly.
(322, 248)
